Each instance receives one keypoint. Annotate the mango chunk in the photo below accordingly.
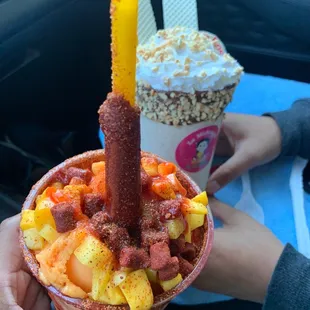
(188, 234)
(170, 284)
(138, 291)
(113, 295)
(201, 198)
(101, 278)
(71, 193)
(192, 207)
(175, 227)
(33, 240)
(150, 165)
(176, 184)
(119, 276)
(43, 217)
(98, 167)
(163, 188)
(58, 185)
(151, 275)
(49, 233)
(93, 253)
(166, 168)
(195, 220)
(73, 190)
(27, 220)
(43, 202)
(97, 183)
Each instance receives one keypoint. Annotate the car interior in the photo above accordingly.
(55, 72)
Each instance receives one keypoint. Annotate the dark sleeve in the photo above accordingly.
(295, 129)
(289, 288)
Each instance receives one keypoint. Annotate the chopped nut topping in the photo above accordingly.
(167, 81)
(179, 109)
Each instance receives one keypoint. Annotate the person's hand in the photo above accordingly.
(243, 257)
(18, 289)
(251, 140)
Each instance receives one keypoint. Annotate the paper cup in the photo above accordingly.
(191, 147)
(183, 127)
(63, 302)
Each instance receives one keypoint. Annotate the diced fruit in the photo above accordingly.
(71, 193)
(201, 198)
(195, 220)
(119, 276)
(166, 168)
(188, 233)
(72, 190)
(79, 274)
(126, 269)
(60, 196)
(27, 220)
(98, 167)
(76, 181)
(170, 284)
(192, 207)
(150, 165)
(100, 280)
(97, 183)
(163, 188)
(151, 275)
(75, 194)
(175, 227)
(93, 253)
(137, 290)
(113, 295)
(33, 240)
(43, 202)
(58, 185)
(42, 217)
(176, 184)
(50, 191)
(49, 233)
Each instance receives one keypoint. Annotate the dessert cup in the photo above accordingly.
(63, 302)
(185, 80)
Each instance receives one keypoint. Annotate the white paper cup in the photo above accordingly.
(190, 147)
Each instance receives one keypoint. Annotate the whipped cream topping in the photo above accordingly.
(183, 59)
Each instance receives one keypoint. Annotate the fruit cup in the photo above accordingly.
(32, 221)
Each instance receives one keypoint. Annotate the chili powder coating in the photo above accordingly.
(120, 123)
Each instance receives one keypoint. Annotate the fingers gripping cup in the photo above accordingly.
(87, 261)
(185, 79)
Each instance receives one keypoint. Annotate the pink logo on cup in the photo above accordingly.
(217, 43)
(195, 151)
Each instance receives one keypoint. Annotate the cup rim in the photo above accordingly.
(83, 160)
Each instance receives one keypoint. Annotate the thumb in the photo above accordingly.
(240, 162)
(230, 216)
(225, 213)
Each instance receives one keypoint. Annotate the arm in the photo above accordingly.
(295, 129)
(290, 284)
